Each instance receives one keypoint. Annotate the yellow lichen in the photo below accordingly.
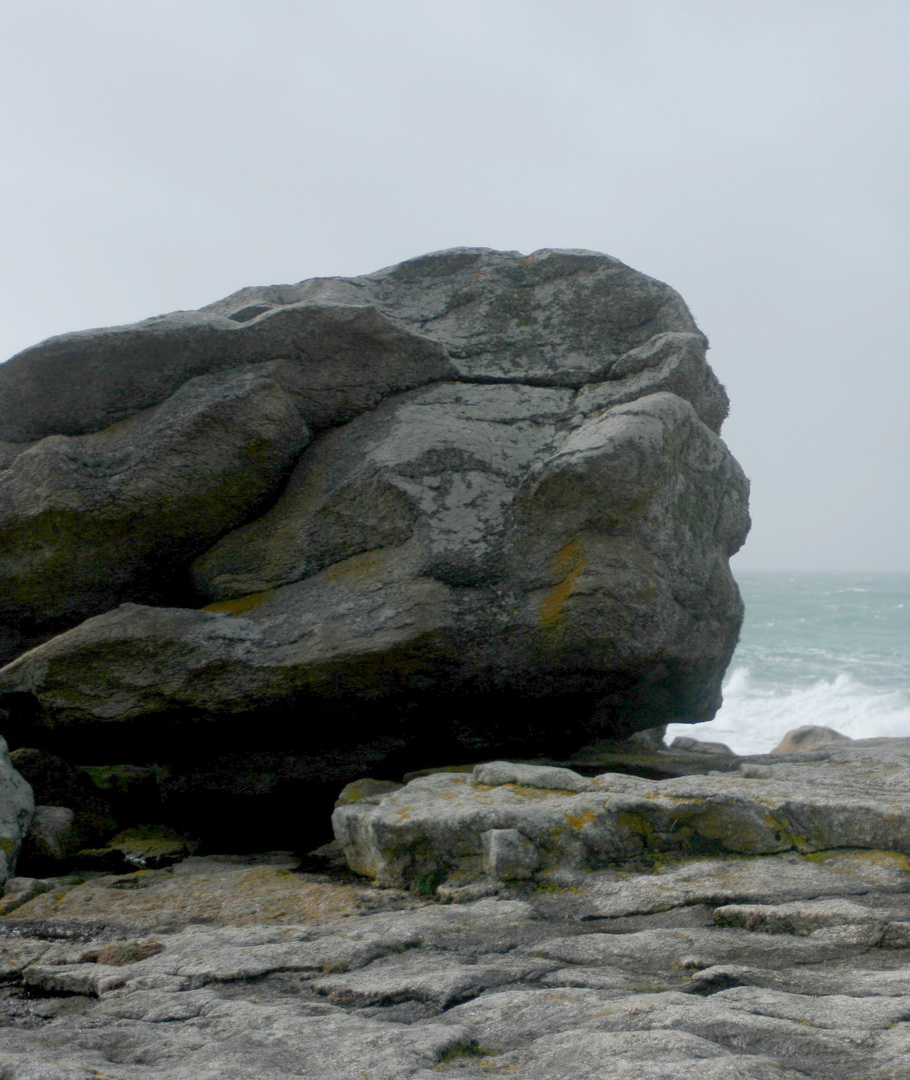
(527, 792)
(241, 604)
(578, 821)
(568, 564)
(357, 566)
(634, 822)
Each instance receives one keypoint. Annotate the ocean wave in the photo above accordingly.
(755, 717)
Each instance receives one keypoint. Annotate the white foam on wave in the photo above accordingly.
(755, 718)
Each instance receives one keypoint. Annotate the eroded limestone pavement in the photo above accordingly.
(534, 940)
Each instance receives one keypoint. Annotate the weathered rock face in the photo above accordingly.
(474, 502)
(511, 821)
(86, 521)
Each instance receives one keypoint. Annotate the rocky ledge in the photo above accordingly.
(752, 923)
(507, 821)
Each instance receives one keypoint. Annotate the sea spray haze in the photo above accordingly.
(816, 648)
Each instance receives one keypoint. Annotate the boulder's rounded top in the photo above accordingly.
(554, 317)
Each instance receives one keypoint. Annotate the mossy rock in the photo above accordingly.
(365, 790)
(147, 847)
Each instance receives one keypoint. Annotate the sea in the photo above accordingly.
(816, 648)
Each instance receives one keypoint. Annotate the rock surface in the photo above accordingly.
(51, 836)
(509, 821)
(776, 967)
(807, 737)
(789, 964)
(479, 486)
(88, 521)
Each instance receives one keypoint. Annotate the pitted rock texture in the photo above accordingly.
(508, 821)
(479, 486)
(756, 968)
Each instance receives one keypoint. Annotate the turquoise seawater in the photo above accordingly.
(826, 648)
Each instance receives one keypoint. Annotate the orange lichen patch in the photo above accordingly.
(530, 792)
(856, 859)
(568, 564)
(358, 566)
(241, 604)
(578, 821)
(196, 891)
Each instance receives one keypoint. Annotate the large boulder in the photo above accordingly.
(476, 502)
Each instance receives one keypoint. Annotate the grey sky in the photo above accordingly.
(158, 154)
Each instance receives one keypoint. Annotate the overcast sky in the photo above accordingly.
(159, 154)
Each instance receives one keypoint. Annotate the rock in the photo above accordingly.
(564, 318)
(651, 739)
(346, 979)
(541, 777)
(424, 977)
(699, 746)
(279, 645)
(800, 917)
(614, 901)
(233, 800)
(144, 847)
(437, 829)
(445, 460)
(90, 979)
(344, 358)
(365, 790)
(637, 757)
(17, 807)
(88, 521)
(227, 890)
(51, 837)
(807, 738)
(54, 782)
(479, 487)
(508, 855)
(19, 890)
